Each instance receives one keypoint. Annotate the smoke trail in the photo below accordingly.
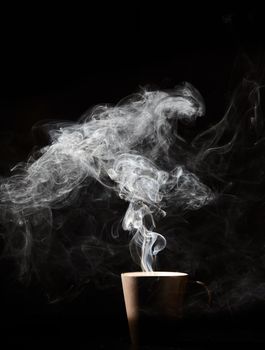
(126, 148)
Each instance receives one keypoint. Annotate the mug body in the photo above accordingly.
(154, 302)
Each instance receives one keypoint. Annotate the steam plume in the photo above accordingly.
(128, 149)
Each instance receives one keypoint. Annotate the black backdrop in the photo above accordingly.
(55, 66)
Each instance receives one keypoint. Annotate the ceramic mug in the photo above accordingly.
(153, 301)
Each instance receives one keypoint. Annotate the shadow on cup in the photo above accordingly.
(154, 303)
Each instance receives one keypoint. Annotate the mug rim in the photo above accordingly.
(154, 274)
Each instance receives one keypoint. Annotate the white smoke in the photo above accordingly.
(126, 149)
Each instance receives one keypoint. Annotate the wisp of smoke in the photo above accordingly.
(127, 149)
(140, 167)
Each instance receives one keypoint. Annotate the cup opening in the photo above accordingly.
(154, 274)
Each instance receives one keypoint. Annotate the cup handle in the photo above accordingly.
(209, 293)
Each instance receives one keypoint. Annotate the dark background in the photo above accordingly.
(55, 66)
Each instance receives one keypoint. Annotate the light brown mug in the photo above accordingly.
(153, 298)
